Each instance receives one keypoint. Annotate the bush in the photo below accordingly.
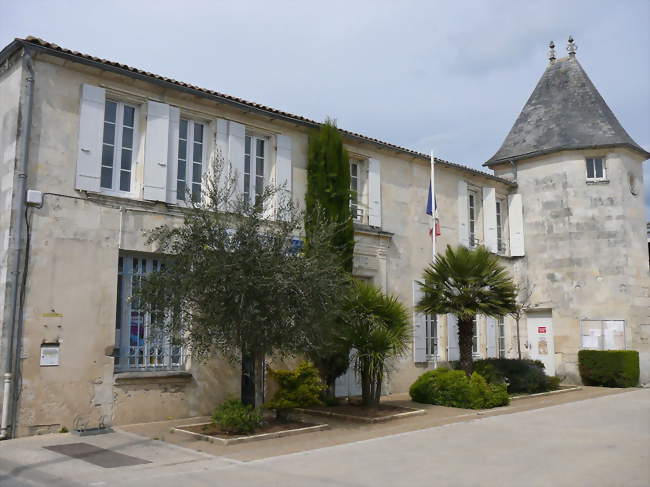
(299, 388)
(237, 418)
(453, 388)
(609, 368)
(521, 375)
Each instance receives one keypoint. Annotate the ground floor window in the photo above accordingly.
(602, 334)
(139, 345)
(431, 336)
(501, 338)
(474, 337)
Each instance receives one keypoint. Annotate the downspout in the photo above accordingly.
(9, 372)
(514, 168)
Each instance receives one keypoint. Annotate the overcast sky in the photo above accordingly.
(451, 76)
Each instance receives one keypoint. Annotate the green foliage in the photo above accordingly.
(232, 416)
(609, 368)
(233, 283)
(453, 388)
(553, 382)
(467, 282)
(328, 190)
(521, 375)
(299, 388)
(378, 328)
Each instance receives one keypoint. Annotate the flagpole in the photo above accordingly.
(433, 208)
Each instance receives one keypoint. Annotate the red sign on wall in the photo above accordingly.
(541, 329)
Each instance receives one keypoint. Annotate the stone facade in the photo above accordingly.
(583, 244)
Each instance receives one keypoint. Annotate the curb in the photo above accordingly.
(549, 393)
(361, 419)
(247, 439)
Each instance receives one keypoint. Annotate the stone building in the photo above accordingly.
(93, 153)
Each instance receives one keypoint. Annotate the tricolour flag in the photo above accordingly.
(432, 209)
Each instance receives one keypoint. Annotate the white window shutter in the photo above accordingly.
(156, 150)
(374, 193)
(490, 218)
(419, 328)
(236, 141)
(453, 349)
(172, 154)
(491, 337)
(283, 167)
(91, 132)
(516, 224)
(463, 214)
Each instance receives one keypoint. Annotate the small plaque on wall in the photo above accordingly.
(49, 354)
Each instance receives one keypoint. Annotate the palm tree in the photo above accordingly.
(378, 329)
(467, 282)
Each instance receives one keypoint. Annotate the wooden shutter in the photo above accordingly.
(419, 328)
(172, 154)
(490, 218)
(453, 349)
(236, 140)
(516, 224)
(374, 193)
(491, 325)
(91, 131)
(283, 167)
(156, 150)
(463, 214)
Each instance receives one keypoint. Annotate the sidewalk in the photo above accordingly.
(341, 432)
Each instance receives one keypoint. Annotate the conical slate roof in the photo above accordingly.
(565, 111)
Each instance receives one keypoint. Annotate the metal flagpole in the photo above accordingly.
(433, 208)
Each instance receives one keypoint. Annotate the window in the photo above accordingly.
(139, 345)
(117, 146)
(596, 169)
(501, 247)
(501, 338)
(603, 334)
(474, 337)
(254, 160)
(190, 160)
(472, 198)
(357, 212)
(431, 322)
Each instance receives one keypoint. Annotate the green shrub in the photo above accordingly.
(453, 388)
(609, 368)
(237, 418)
(299, 388)
(553, 382)
(521, 375)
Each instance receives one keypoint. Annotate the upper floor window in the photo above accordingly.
(596, 169)
(117, 146)
(254, 165)
(472, 201)
(357, 213)
(501, 247)
(190, 159)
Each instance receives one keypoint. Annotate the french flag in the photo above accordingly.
(432, 209)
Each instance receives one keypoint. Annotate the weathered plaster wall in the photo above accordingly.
(586, 250)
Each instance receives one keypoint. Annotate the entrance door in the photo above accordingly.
(349, 384)
(540, 339)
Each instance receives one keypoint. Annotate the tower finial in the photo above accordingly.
(571, 47)
(551, 52)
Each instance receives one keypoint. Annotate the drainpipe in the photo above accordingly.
(514, 168)
(9, 362)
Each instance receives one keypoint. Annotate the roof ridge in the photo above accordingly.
(37, 41)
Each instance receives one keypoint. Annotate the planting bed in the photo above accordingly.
(355, 412)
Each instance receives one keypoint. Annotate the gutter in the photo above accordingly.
(10, 359)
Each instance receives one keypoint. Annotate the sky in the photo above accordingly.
(447, 76)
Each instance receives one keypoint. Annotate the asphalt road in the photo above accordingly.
(597, 442)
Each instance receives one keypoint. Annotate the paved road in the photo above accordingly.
(597, 442)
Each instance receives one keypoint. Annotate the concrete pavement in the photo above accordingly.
(603, 441)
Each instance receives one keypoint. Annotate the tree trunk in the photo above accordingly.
(465, 332)
(366, 387)
(259, 379)
(379, 380)
(247, 378)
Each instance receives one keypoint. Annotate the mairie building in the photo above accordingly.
(93, 153)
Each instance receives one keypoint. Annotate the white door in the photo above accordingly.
(540, 339)
(348, 384)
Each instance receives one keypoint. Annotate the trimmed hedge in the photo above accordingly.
(609, 368)
(446, 387)
(521, 375)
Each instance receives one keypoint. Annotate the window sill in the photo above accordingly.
(153, 377)
(597, 181)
